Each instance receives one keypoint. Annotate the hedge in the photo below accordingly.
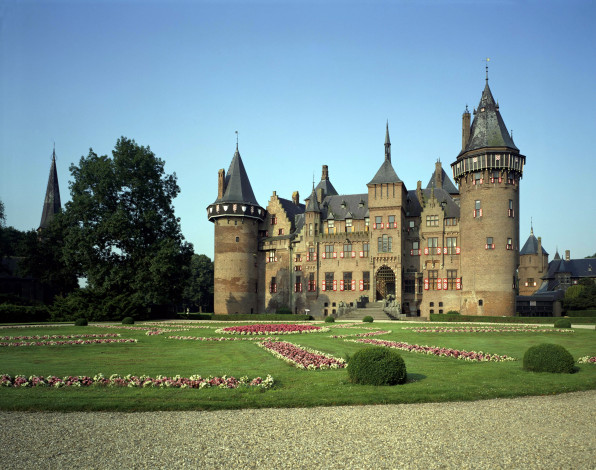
(581, 313)
(441, 317)
(246, 316)
(23, 314)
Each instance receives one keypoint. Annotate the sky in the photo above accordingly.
(305, 83)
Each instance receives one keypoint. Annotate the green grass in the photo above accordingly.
(430, 379)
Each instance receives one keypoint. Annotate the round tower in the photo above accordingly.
(488, 171)
(236, 215)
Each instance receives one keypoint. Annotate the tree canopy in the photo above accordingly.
(198, 293)
(121, 233)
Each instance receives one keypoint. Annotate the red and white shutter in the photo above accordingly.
(361, 284)
(438, 250)
(457, 250)
(335, 284)
(341, 285)
(323, 287)
(445, 250)
(426, 251)
(341, 254)
(425, 283)
(353, 284)
(444, 283)
(362, 254)
(458, 283)
(439, 284)
(353, 254)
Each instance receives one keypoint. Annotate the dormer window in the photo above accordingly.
(348, 225)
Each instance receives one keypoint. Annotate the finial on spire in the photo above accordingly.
(387, 143)
(487, 61)
(236, 141)
(531, 227)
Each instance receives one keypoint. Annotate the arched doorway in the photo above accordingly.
(385, 282)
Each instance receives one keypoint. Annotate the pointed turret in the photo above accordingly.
(386, 174)
(51, 204)
(312, 204)
(387, 143)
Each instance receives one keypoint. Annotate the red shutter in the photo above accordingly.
(353, 254)
(439, 284)
(500, 179)
(314, 256)
(480, 212)
(374, 225)
(486, 246)
(276, 259)
(362, 254)
(419, 252)
(458, 283)
(444, 283)
(438, 250)
(335, 254)
(353, 284)
(335, 284)
(341, 254)
(411, 252)
(361, 284)
(445, 250)
(481, 180)
(426, 251)
(323, 287)
(474, 213)
(457, 250)
(341, 285)
(492, 247)
(323, 255)
(425, 283)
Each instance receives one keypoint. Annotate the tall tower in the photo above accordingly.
(236, 215)
(488, 171)
(51, 203)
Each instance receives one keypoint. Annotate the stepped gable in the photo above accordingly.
(294, 212)
(414, 207)
(340, 207)
(51, 204)
(531, 246)
(237, 184)
(488, 129)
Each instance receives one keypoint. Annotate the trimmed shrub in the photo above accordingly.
(23, 313)
(81, 322)
(452, 312)
(128, 321)
(329, 319)
(581, 313)
(377, 366)
(283, 311)
(547, 357)
(368, 319)
(562, 323)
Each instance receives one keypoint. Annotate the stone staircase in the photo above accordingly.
(373, 309)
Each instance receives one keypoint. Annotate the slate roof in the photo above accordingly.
(342, 206)
(51, 204)
(312, 203)
(386, 174)
(531, 246)
(238, 188)
(290, 208)
(488, 128)
(414, 206)
(328, 189)
(446, 182)
(577, 268)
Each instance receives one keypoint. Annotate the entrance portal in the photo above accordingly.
(385, 282)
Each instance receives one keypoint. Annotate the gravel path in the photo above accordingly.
(534, 432)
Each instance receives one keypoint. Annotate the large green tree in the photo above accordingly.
(198, 293)
(122, 234)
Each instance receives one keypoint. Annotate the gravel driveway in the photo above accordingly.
(535, 432)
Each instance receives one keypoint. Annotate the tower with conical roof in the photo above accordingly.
(51, 203)
(387, 198)
(488, 170)
(236, 215)
(533, 264)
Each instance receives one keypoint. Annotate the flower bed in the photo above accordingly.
(45, 325)
(185, 324)
(194, 381)
(224, 338)
(302, 357)
(372, 333)
(587, 360)
(269, 328)
(436, 350)
(68, 342)
(52, 337)
(488, 329)
(159, 331)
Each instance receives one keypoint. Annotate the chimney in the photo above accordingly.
(540, 257)
(221, 183)
(465, 128)
(325, 175)
(296, 197)
(567, 255)
(438, 175)
(320, 195)
(419, 192)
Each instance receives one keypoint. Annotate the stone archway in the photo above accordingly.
(385, 282)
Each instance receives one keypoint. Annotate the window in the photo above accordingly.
(366, 280)
(451, 244)
(316, 228)
(432, 279)
(348, 281)
(478, 177)
(409, 284)
(310, 230)
(331, 226)
(433, 242)
(366, 223)
(450, 221)
(311, 282)
(298, 284)
(510, 177)
(451, 279)
(280, 231)
(328, 251)
(378, 221)
(510, 244)
(365, 249)
(273, 285)
(348, 225)
(477, 209)
(489, 243)
(347, 250)
(480, 303)
(415, 248)
(328, 285)
(392, 221)
(510, 211)
(530, 282)
(273, 219)
(411, 224)
(385, 244)
(237, 239)
(495, 178)
(311, 254)
(432, 220)
(272, 256)
(298, 257)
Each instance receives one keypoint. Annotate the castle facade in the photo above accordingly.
(432, 249)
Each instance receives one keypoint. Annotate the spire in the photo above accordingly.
(51, 204)
(237, 185)
(531, 227)
(312, 204)
(387, 143)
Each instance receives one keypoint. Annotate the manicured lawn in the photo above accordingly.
(430, 378)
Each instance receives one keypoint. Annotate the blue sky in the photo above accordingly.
(305, 83)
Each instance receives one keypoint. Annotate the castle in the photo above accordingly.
(427, 250)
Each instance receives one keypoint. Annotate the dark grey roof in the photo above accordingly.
(312, 204)
(531, 246)
(290, 208)
(342, 206)
(238, 188)
(446, 182)
(328, 189)
(386, 174)
(51, 204)
(488, 128)
(576, 268)
(414, 206)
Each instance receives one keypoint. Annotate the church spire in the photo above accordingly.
(387, 143)
(51, 204)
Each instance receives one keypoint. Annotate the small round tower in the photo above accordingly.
(236, 215)
(488, 171)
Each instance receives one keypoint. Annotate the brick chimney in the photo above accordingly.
(465, 128)
(325, 174)
(438, 175)
(567, 255)
(296, 197)
(221, 183)
(419, 192)
(540, 256)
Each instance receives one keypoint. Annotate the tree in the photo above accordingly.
(2, 215)
(121, 231)
(199, 288)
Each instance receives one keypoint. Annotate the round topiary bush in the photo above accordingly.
(563, 323)
(329, 319)
(81, 322)
(128, 321)
(377, 366)
(368, 319)
(547, 357)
